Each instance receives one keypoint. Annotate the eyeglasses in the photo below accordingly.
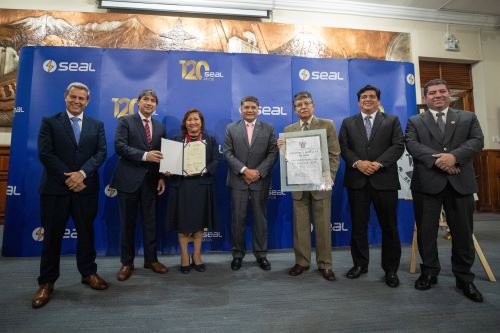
(302, 104)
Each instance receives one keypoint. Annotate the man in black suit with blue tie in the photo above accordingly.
(71, 147)
(138, 181)
(443, 142)
(371, 142)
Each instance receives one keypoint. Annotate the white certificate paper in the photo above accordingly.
(304, 160)
(181, 158)
(172, 156)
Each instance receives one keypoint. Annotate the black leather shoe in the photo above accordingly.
(185, 269)
(236, 264)
(391, 279)
(200, 267)
(470, 291)
(297, 270)
(264, 263)
(425, 282)
(327, 274)
(356, 272)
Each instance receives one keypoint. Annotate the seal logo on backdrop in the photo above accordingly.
(37, 234)
(49, 66)
(110, 192)
(410, 78)
(304, 74)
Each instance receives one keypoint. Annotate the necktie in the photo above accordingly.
(368, 126)
(305, 126)
(76, 128)
(440, 121)
(148, 131)
(249, 133)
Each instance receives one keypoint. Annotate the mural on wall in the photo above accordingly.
(20, 28)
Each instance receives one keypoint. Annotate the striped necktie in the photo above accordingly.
(148, 131)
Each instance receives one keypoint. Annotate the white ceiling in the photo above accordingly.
(484, 13)
(484, 7)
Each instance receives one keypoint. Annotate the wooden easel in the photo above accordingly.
(442, 223)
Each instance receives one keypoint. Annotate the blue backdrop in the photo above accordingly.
(211, 82)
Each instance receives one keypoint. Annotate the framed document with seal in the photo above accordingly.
(183, 158)
(195, 158)
(304, 164)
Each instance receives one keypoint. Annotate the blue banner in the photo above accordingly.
(214, 83)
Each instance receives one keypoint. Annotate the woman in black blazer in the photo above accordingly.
(191, 200)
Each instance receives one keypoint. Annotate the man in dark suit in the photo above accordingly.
(371, 143)
(71, 148)
(443, 142)
(316, 202)
(138, 181)
(250, 152)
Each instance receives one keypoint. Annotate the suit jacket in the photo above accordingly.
(59, 153)
(130, 145)
(333, 151)
(212, 159)
(260, 155)
(462, 137)
(385, 146)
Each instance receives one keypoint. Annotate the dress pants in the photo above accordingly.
(239, 204)
(459, 216)
(385, 204)
(55, 211)
(321, 212)
(143, 200)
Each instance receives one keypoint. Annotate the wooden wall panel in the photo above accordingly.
(4, 167)
(487, 165)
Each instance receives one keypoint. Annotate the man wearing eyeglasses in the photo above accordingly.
(315, 203)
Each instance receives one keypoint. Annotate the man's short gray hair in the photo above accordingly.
(78, 85)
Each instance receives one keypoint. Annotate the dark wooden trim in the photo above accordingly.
(487, 165)
(4, 168)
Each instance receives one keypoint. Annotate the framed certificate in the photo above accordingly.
(304, 164)
(183, 158)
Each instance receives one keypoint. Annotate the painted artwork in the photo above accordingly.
(20, 28)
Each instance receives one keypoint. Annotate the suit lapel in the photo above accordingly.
(451, 124)
(314, 124)
(156, 130)
(431, 124)
(296, 126)
(360, 125)
(256, 130)
(140, 128)
(243, 133)
(377, 122)
(66, 124)
(85, 129)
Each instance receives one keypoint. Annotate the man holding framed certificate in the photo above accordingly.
(318, 202)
